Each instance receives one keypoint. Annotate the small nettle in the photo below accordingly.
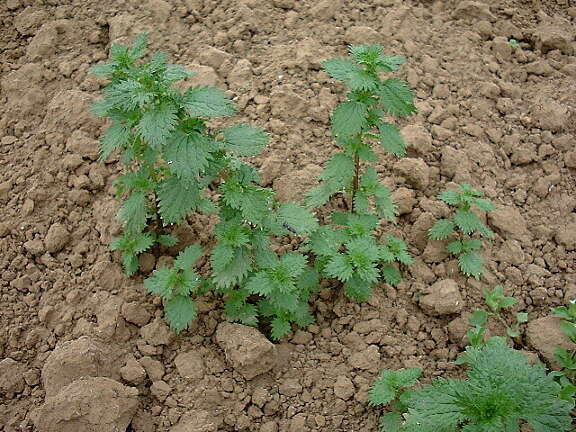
(566, 358)
(464, 224)
(347, 249)
(502, 390)
(174, 161)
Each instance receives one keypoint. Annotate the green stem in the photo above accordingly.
(355, 181)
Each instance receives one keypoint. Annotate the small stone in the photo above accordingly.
(157, 333)
(56, 238)
(284, 4)
(405, 200)
(551, 37)
(344, 388)
(442, 298)
(136, 313)
(570, 159)
(5, 187)
(415, 171)
(290, 387)
(473, 10)
(510, 221)
(205, 75)
(368, 359)
(11, 376)
(81, 144)
(154, 368)
(240, 77)
(212, 57)
(160, 389)
(301, 337)
(190, 365)
(248, 351)
(198, 421)
(545, 335)
(417, 138)
(566, 236)
(94, 404)
(133, 372)
(32, 377)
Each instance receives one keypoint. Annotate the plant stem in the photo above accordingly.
(355, 181)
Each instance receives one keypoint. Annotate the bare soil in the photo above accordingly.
(498, 117)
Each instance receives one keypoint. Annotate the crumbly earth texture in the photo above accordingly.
(500, 117)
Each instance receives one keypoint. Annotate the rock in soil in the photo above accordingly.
(246, 349)
(92, 404)
(545, 335)
(443, 298)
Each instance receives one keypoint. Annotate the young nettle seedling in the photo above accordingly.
(348, 250)
(391, 388)
(501, 391)
(567, 358)
(464, 224)
(173, 161)
(496, 301)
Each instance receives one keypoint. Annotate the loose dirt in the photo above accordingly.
(82, 347)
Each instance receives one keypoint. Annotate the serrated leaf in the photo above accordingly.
(260, 284)
(188, 154)
(138, 48)
(397, 98)
(390, 422)
(391, 139)
(157, 124)
(174, 73)
(279, 328)
(484, 204)
(159, 283)
(441, 229)
(204, 101)
(222, 254)
(471, 264)
(294, 263)
(339, 267)
(391, 275)
(234, 271)
(389, 63)
(385, 388)
(245, 140)
(130, 263)
(467, 222)
(176, 199)
(115, 137)
(385, 206)
(133, 213)
(104, 69)
(349, 119)
(339, 171)
(471, 245)
(326, 242)
(450, 197)
(298, 218)
(454, 247)
(358, 289)
(521, 317)
(319, 195)
(188, 257)
(478, 318)
(167, 240)
(180, 311)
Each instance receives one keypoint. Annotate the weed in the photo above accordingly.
(465, 223)
(347, 249)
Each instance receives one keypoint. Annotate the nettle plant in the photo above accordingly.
(502, 391)
(177, 165)
(566, 358)
(464, 224)
(347, 249)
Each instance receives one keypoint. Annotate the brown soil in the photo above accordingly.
(500, 118)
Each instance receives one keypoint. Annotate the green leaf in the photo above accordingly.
(385, 388)
(167, 240)
(391, 275)
(206, 101)
(569, 329)
(478, 318)
(389, 63)
(130, 263)
(501, 390)
(294, 263)
(159, 283)
(397, 98)
(104, 69)
(339, 267)
(115, 137)
(349, 119)
(353, 75)
(138, 48)
(234, 271)
(455, 247)
(176, 199)
(188, 154)
(157, 124)
(468, 222)
(450, 197)
(180, 311)
(298, 218)
(133, 213)
(484, 204)
(441, 229)
(390, 422)
(471, 264)
(521, 317)
(260, 284)
(222, 254)
(391, 140)
(245, 140)
(188, 257)
(358, 289)
(280, 328)
(174, 73)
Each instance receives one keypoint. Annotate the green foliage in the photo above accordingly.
(502, 389)
(348, 250)
(464, 224)
(174, 161)
(564, 357)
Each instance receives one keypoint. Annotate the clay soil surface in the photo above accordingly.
(84, 346)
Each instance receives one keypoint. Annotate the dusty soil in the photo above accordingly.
(82, 343)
